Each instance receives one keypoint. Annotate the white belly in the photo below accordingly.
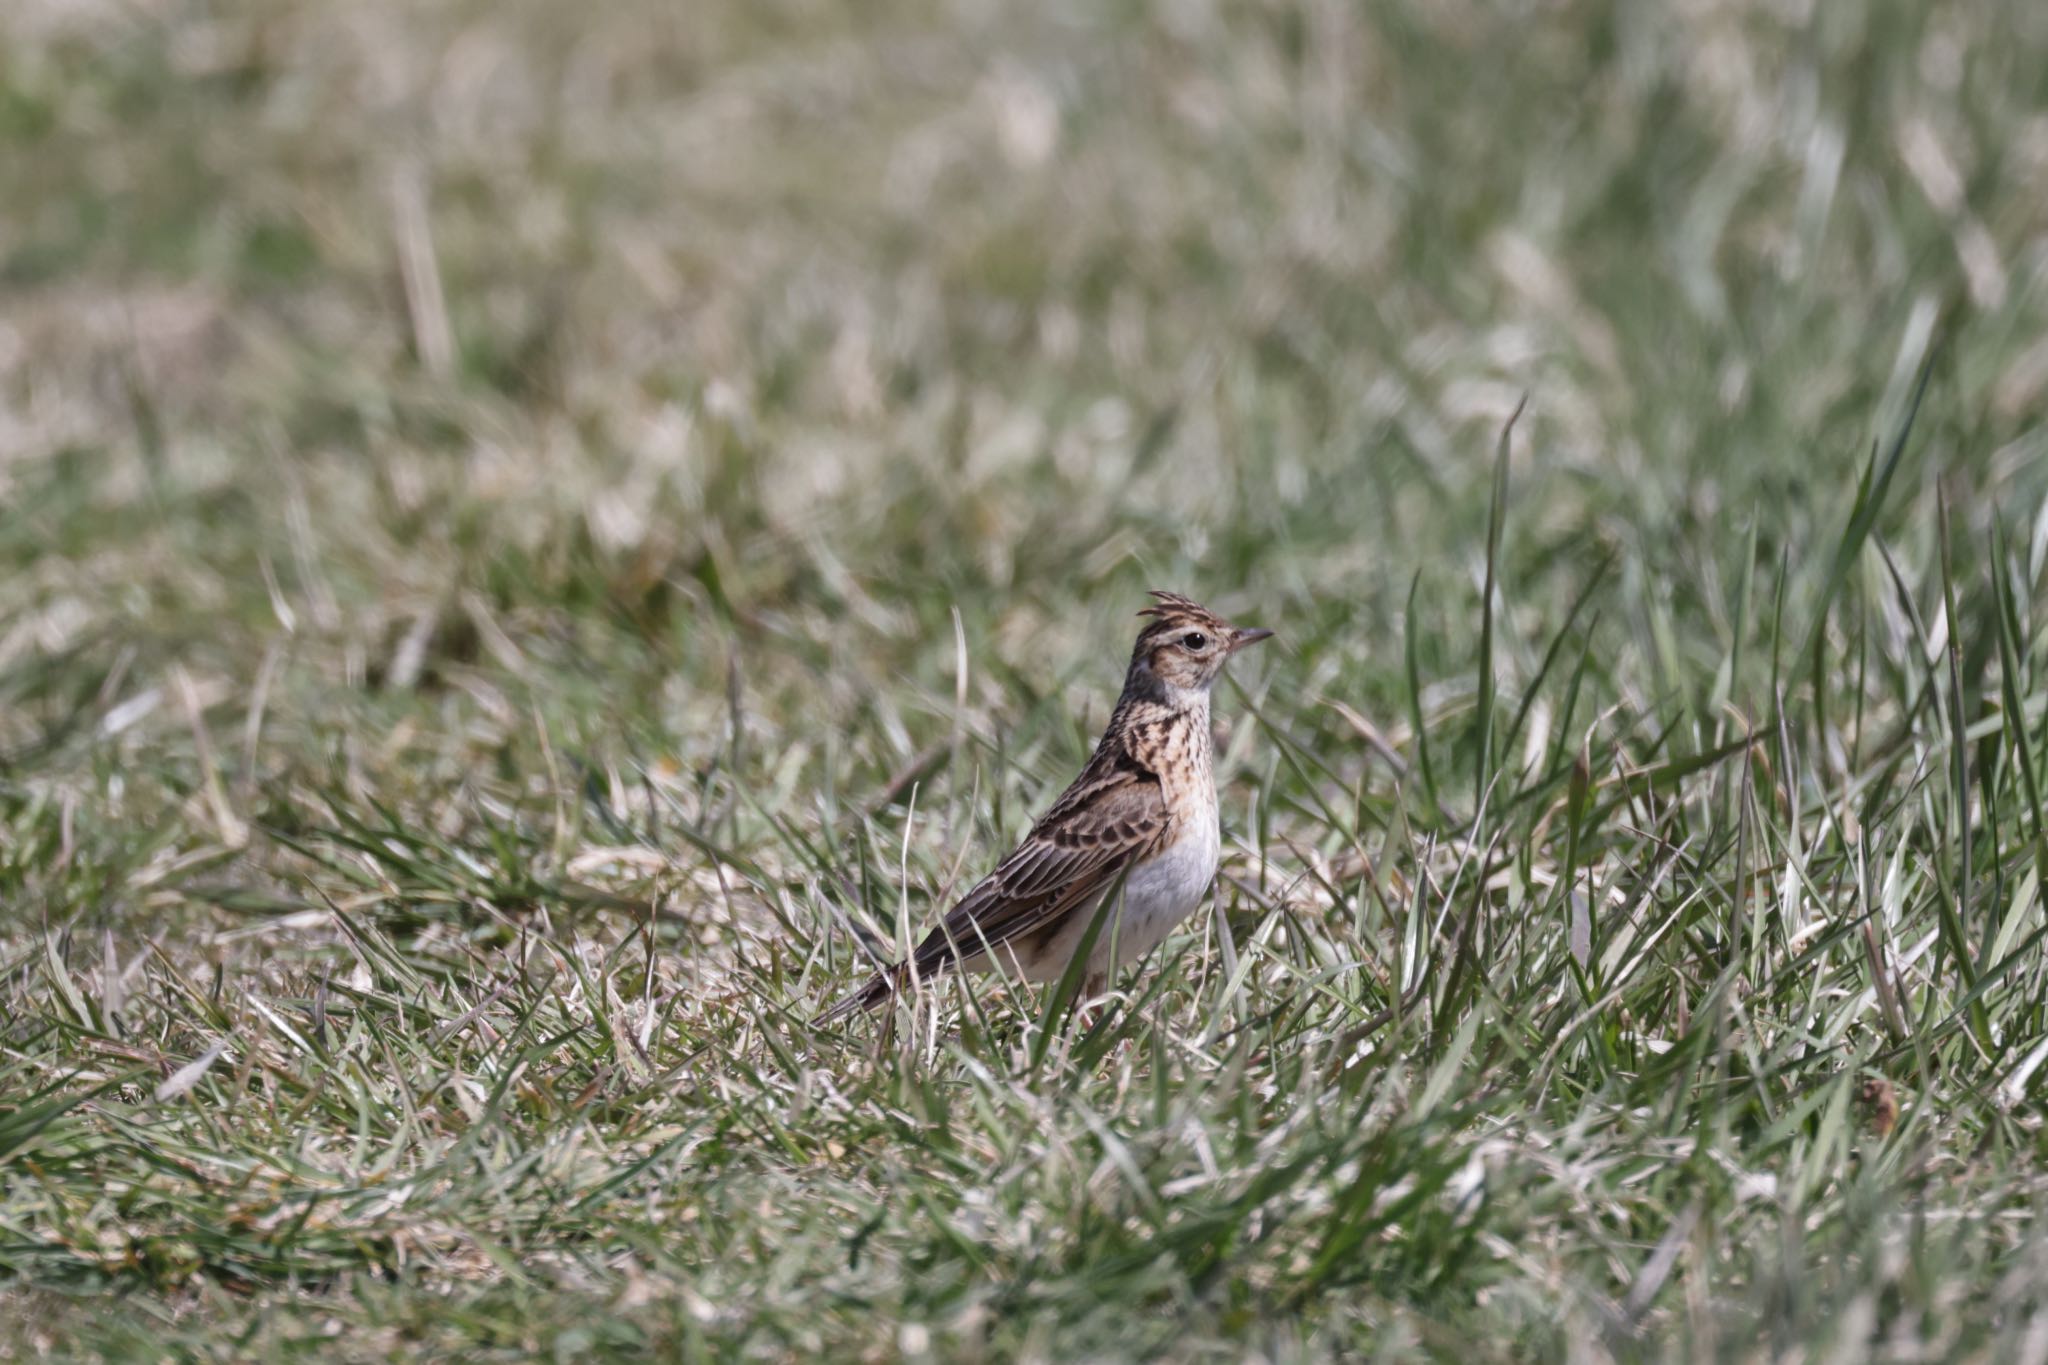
(1157, 895)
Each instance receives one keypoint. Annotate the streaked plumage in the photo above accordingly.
(1144, 809)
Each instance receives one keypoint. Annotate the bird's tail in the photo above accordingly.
(873, 992)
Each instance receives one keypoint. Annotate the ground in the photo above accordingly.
(535, 532)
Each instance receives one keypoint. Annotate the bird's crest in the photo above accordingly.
(1171, 613)
(1171, 606)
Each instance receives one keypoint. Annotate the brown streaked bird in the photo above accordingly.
(1143, 813)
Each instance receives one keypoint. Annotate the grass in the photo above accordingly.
(532, 533)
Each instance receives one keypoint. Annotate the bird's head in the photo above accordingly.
(1184, 647)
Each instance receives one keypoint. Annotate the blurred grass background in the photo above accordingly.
(526, 521)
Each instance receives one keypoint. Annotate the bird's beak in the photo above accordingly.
(1249, 636)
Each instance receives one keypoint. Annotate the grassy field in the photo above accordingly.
(532, 529)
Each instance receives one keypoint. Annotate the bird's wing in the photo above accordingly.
(1107, 820)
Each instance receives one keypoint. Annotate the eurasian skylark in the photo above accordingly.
(1142, 813)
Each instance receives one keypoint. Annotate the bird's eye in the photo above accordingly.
(1194, 639)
